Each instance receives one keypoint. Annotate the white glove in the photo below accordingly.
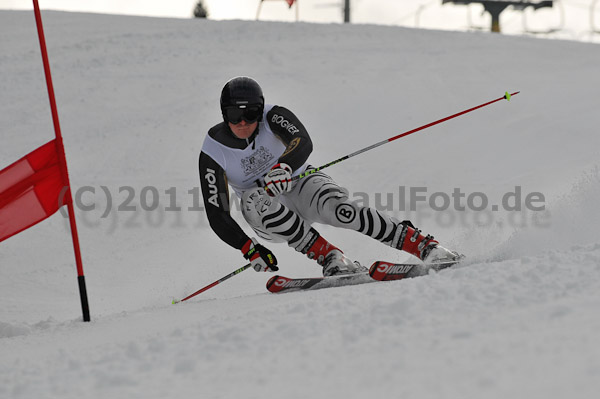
(279, 180)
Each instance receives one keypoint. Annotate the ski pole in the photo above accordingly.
(201, 290)
(506, 96)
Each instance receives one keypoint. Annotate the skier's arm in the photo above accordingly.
(293, 134)
(216, 202)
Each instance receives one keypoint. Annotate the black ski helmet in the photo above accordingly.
(242, 91)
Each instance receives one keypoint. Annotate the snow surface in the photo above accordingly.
(136, 96)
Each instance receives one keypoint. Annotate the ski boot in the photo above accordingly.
(439, 254)
(408, 238)
(332, 259)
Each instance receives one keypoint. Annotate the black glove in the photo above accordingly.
(261, 258)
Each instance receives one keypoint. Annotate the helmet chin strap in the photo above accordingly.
(254, 134)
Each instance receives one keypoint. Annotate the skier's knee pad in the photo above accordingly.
(340, 212)
(256, 203)
(323, 201)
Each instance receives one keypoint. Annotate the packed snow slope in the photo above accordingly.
(136, 97)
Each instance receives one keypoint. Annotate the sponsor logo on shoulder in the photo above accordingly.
(284, 123)
(292, 146)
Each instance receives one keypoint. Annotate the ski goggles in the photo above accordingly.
(249, 113)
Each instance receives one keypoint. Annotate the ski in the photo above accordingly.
(379, 271)
(286, 284)
(386, 271)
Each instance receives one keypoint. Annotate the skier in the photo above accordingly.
(256, 150)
